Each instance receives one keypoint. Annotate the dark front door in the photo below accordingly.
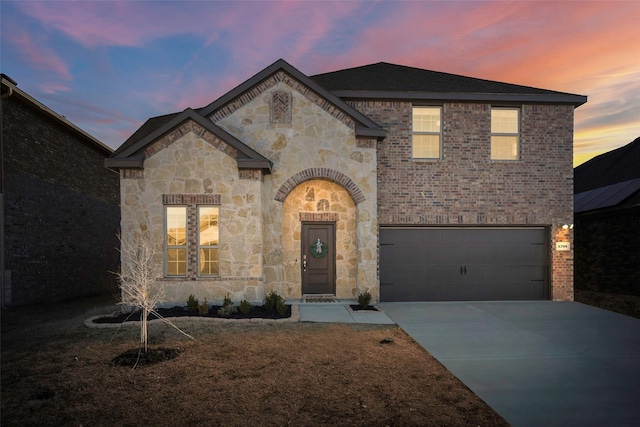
(318, 258)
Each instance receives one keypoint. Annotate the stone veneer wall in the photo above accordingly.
(193, 164)
(466, 187)
(319, 138)
(320, 200)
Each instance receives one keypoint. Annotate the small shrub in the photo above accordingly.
(281, 306)
(192, 303)
(271, 300)
(227, 310)
(364, 299)
(245, 307)
(227, 301)
(203, 308)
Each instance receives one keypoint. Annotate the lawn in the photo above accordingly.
(56, 371)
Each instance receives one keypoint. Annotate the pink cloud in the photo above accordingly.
(36, 53)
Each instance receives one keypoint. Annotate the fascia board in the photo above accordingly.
(202, 121)
(130, 162)
(559, 98)
(25, 97)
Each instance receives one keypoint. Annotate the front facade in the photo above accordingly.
(348, 182)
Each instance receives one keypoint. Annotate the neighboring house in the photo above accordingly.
(407, 183)
(607, 218)
(59, 206)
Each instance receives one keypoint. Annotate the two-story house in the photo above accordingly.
(59, 205)
(407, 183)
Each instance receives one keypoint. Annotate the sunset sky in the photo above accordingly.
(107, 66)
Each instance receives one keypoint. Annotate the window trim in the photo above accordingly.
(518, 110)
(439, 133)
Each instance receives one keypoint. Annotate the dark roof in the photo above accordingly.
(605, 197)
(144, 130)
(622, 164)
(381, 80)
(384, 80)
(131, 156)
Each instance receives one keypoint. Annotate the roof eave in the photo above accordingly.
(265, 165)
(13, 90)
(124, 163)
(370, 132)
(559, 98)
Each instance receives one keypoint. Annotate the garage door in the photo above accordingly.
(463, 264)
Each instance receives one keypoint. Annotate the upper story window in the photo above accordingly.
(427, 132)
(505, 129)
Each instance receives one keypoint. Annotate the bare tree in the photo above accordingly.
(138, 277)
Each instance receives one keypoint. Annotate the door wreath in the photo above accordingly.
(319, 249)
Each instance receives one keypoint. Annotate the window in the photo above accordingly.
(206, 243)
(426, 132)
(208, 240)
(504, 133)
(176, 241)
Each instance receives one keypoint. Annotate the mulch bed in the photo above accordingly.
(358, 307)
(138, 357)
(258, 312)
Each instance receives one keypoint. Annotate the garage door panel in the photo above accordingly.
(463, 264)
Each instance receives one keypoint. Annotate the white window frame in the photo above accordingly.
(415, 132)
(501, 134)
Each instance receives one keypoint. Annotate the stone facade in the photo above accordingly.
(314, 142)
(466, 187)
(260, 218)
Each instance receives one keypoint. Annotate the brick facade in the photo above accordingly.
(465, 187)
(61, 210)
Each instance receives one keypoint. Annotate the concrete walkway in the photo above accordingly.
(536, 363)
(340, 313)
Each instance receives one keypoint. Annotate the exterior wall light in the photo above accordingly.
(567, 226)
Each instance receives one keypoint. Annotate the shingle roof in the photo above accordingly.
(382, 77)
(144, 130)
(605, 197)
(622, 164)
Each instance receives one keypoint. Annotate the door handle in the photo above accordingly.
(304, 263)
(463, 270)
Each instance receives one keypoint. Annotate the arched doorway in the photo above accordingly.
(319, 209)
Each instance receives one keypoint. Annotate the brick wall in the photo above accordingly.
(608, 252)
(61, 210)
(466, 187)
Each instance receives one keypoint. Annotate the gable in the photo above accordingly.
(175, 125)
(281, 71)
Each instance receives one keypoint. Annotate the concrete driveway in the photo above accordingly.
(536, 363)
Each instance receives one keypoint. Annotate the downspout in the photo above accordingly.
(2, 237)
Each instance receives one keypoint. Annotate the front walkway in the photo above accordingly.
(537, 363)
(340, 312)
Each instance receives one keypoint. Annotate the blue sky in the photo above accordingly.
(107, 66)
